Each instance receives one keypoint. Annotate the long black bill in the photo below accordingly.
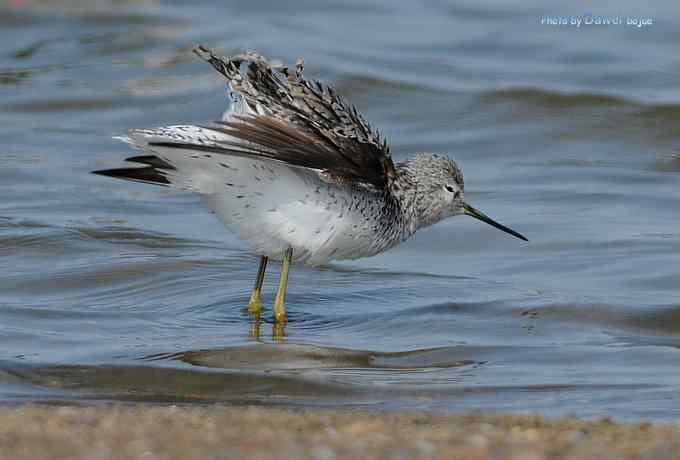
(470, 211)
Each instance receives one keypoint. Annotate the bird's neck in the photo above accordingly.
(405, 190)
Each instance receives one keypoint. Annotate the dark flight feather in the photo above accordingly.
(152, 174)
(147, 175)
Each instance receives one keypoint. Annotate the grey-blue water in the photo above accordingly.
(120, 291)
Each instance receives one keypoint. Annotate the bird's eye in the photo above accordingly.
(449, 188)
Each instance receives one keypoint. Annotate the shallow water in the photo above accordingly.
(121, 291)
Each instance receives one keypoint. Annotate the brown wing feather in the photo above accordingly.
(278, 140)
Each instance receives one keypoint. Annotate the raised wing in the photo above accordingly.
(283, 116)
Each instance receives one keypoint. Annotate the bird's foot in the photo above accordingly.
(254, 332)
(278, 332)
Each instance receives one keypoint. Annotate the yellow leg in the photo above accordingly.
(279, 302)
(255, 304)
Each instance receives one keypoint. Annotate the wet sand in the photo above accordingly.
(127, 432)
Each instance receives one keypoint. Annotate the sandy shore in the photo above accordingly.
(258, 433)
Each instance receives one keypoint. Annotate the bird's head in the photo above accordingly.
(441, 191)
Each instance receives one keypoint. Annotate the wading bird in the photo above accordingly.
(296, 171)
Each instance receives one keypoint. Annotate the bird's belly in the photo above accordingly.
(320, 222)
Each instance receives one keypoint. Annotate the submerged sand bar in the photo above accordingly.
(190, 432)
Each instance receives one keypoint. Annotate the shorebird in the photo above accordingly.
(297, 172)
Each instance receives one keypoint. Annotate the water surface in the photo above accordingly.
(121, 291)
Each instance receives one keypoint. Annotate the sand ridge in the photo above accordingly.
(217, 432)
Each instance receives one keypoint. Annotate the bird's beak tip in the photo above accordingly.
(470, 211)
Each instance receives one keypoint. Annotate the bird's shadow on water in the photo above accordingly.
(300, 356)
